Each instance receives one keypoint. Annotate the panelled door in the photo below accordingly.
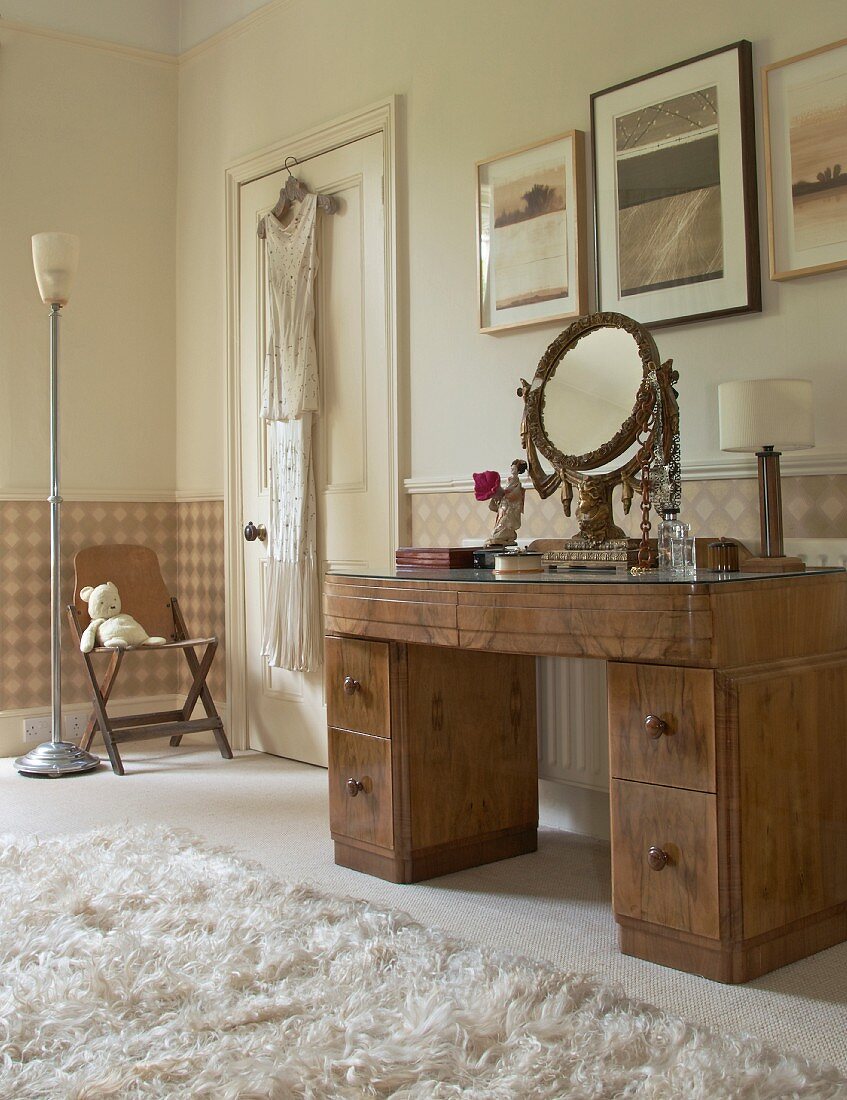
(352, 449)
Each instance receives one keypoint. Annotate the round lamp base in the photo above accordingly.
(55, 759)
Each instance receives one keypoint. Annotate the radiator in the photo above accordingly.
(573, 738)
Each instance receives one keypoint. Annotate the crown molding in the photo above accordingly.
(793, 464)
(154, 57)
(235, 30)
(135, 53)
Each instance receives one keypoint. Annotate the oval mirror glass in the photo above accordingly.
(592, 391)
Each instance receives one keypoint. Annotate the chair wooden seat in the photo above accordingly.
(156, 648)
(136, 573)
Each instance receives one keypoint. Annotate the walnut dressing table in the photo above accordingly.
(728, 743)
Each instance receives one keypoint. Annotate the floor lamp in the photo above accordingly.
(55, 257)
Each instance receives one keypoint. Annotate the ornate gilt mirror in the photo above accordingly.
(601, 412)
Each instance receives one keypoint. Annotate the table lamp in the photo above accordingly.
(767, 416)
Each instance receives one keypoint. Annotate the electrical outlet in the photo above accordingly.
(75, 725)
(38, 729)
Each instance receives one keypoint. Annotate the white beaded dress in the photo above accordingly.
(293, 637)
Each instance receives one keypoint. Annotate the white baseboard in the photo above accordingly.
(12, 721)
(573, 809)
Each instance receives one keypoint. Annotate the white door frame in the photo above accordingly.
(379, 118)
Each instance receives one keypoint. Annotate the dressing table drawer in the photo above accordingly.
(357, 691)
(662, 725)
(360, 794)
(665, 857)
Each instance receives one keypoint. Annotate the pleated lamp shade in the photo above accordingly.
(766, 412)
(55, 257)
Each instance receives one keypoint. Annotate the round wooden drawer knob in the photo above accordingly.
(351, 686)
(354, 786)
(657, 858)
(655, 725)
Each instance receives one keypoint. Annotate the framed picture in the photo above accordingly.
(676, 211)
(531, 235)
(805, 110)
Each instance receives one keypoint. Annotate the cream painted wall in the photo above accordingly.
(477, 78)
(88, 145)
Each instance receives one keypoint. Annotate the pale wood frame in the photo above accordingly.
(379, 118)
(577, 220)
(766, 121)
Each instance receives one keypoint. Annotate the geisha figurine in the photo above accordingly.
(508, 501)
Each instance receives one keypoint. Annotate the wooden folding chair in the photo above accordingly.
(135, 570)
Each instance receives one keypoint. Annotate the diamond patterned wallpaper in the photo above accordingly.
(195, 528)
(188, 537)
(200, 557)
(813, 507)
(25, 596)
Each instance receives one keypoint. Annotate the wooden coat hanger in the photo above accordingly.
(295, 191)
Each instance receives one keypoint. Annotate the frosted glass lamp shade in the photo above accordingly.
(766, 412)
(55, 257)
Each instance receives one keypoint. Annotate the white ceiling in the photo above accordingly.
(167, 26)
(200, 19)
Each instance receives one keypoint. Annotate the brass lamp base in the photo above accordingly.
(777, 564)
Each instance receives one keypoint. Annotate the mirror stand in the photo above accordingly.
(600, 541)
(616, 385)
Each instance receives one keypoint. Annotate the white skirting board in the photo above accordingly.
(12, 721)
(573, 809)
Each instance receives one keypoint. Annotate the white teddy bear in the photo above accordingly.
(108, 627)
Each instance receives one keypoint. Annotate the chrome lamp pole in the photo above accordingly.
(55, 257)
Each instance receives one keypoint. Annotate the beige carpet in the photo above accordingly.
(553, 904)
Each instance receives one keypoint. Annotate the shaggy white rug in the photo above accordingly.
(142, 964)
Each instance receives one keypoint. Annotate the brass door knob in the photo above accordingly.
(657, 858)
(655, 725)
(351, 686)
(253, 532)
(354, 786)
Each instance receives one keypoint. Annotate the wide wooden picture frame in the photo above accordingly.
(531, 234)
(676, 209)
(804, 104)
